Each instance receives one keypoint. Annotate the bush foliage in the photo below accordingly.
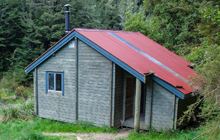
(22, 111)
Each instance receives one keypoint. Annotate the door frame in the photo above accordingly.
(124, 95)
(143, 93)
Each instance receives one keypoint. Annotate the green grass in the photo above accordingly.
(176, 135)
(56, 126)
(33, 129)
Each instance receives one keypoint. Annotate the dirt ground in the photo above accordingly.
(123, 133)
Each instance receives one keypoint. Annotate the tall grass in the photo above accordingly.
(22, 111)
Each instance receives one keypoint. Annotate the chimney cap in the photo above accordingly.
(67, 5)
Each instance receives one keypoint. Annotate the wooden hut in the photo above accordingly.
(111, 78)
(104, 77)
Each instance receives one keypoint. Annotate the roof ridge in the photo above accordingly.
(102, 30)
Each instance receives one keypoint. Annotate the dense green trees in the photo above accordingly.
(188, 28)
(171, 23)
(29, 27)
(11, 31)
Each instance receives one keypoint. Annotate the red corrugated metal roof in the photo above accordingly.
(144, 55)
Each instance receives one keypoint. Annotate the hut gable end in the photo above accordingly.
(87, 85)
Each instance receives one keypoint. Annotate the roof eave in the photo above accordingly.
(170, 87)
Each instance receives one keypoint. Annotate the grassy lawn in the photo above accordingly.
(178, 135)
(33, 129)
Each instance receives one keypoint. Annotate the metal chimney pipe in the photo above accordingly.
(67, 17)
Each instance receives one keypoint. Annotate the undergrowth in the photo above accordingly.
(22, 111)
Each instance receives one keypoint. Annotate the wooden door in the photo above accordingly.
(130, 92)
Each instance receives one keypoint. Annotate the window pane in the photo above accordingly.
(51, 81)
(58, 82)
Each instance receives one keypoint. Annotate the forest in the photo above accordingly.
(190, 28)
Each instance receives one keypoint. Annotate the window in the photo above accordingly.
(54, 82)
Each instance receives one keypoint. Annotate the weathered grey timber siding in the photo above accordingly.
(54, 105)
(163, 108)
(118, 96)
(94, 86)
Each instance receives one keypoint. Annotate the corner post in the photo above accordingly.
(36, 91)
(137, 105)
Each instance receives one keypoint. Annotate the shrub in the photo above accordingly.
(6, 93)
(3, 94)
(9, 113)
(9, 96)
(22, 92)
(20, 111)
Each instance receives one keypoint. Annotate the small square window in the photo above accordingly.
(54, 82)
